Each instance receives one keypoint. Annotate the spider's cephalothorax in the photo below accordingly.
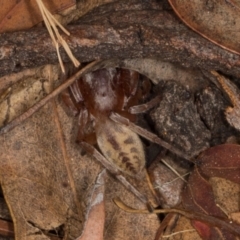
(94, 97)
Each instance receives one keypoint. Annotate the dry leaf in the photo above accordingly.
(34, 178)
(218, 21)
(23, 92)
(19, 15)
(226, 194)
(200, 194)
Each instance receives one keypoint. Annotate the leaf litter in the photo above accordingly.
(42, 165)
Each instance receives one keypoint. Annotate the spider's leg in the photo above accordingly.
(46, 99)
(76, 92)
(65, 96)
(86, 130)
(128, 83)
(72, 97)
(129, 80)
(146, 134)
(112, 169)
(146, 87)
(138, 90)
(146, 106)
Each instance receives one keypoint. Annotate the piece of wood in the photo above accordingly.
(119, 30)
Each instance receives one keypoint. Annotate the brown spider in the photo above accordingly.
(94, 97)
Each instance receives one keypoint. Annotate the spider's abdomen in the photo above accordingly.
(121, 146)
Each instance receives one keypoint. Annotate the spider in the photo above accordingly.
(93, 98)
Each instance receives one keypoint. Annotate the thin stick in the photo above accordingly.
(175, 233)
(167, 223)
(43, 101)
(152, 189)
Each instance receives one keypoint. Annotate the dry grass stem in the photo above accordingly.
(175, 179)
(184, 231)
(173, 170)
(51, 25)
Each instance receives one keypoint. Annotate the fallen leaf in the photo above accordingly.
(202, 193)
(221, 161)
(22, 14)
(218, 21)
(25, 90)
(235, 217)
(226, 194)
(33, 171)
